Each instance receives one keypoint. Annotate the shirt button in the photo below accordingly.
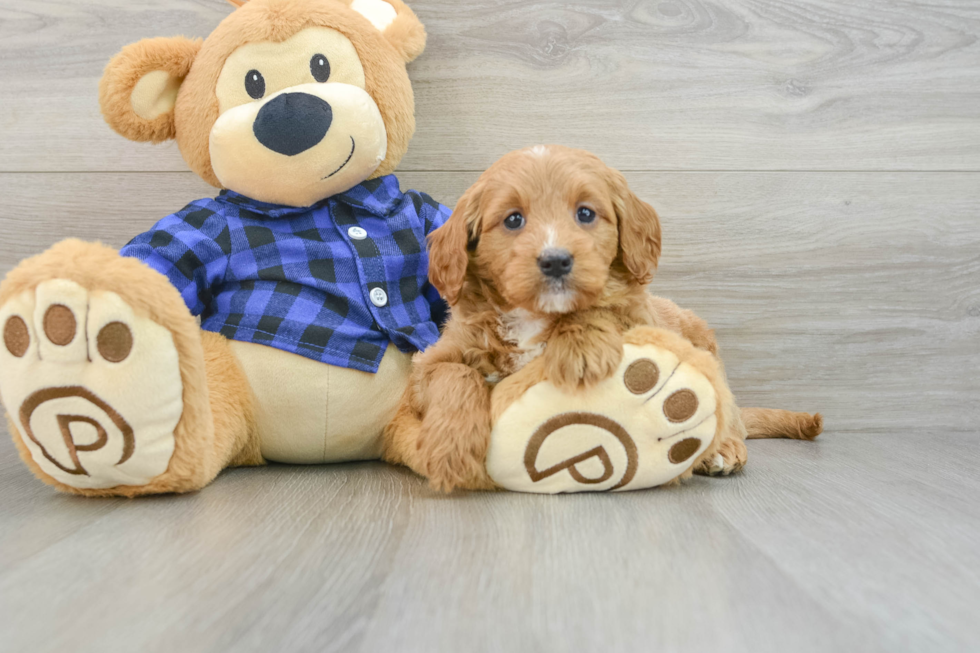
(379, 297)
(357, 233)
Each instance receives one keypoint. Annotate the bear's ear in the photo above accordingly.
(399, 25)
(139, 87)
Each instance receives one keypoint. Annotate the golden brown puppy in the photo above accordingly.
(545, 262)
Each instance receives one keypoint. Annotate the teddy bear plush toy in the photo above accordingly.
(277, 321)
(307, 271)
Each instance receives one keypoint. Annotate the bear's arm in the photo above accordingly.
(190, 248)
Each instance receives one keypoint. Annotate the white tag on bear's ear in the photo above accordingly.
(380, 13)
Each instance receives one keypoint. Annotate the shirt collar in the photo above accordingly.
(378, 196)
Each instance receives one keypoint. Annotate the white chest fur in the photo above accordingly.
(520, 329)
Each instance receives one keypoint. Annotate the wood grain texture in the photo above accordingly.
(647, 84)
(812, 548)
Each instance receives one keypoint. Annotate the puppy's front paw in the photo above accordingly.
(572, 365)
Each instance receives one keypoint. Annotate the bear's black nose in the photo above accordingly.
(292, 123)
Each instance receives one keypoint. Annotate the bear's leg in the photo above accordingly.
(110, 387)
(665, 411)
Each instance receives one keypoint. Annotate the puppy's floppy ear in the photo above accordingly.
(450, 244)
(639, 231)
(139, 87)
(397, 23)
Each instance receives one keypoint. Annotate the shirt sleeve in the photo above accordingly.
(433, 215)
(190, 248)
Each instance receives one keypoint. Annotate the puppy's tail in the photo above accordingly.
(764, 423)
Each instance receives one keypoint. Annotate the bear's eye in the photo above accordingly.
(320, 68)
(254, 84)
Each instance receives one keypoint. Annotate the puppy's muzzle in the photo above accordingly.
(292, 123)
(556, 263)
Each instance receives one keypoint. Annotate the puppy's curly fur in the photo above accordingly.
(513, 313)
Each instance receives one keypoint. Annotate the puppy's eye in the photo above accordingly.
(254, 84)
(585, 215)
(320, 68)
(514, 221)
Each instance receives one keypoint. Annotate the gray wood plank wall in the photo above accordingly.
(816, 165)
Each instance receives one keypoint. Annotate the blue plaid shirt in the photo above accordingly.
(335, 282)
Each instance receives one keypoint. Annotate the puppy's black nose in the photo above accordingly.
(555, 263)
(292, 123)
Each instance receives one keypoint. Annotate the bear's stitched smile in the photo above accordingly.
(349, 157)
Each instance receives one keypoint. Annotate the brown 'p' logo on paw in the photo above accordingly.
(588, 419)
(641, 376)
(16, 337)
(33, 402)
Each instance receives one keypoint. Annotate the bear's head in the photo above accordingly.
(287, 101)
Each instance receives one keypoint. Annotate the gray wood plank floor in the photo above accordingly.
(816, 164)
